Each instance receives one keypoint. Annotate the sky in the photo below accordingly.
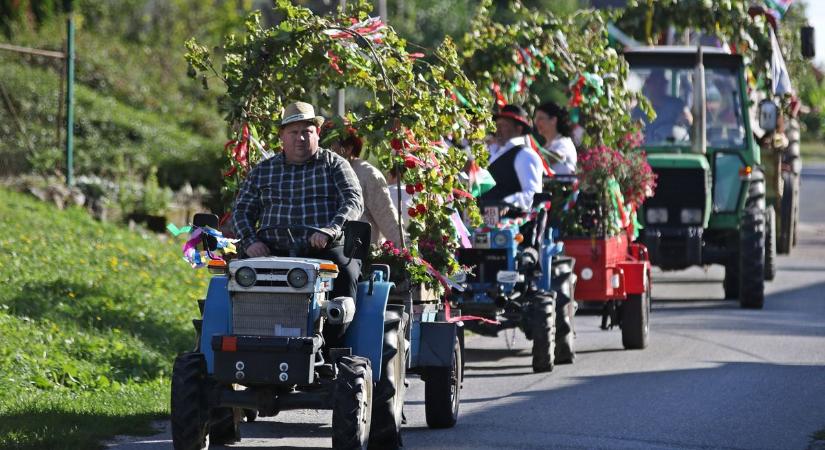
(816, 17)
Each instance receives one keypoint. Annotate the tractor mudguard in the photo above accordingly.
(366, 332)
(217, 317)
(437, 344)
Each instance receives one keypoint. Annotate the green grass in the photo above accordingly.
(91, 316)
(813, 151)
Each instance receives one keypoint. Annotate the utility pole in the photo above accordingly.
(341, 101)
(69, 92)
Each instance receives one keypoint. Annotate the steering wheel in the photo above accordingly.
(295, 245)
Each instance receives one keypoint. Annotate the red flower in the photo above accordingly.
(410, 163)
(410, 189)
(396, 144)
(412, 212)
(419, 187)
(421, 209)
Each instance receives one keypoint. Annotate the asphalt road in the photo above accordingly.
(714, 376)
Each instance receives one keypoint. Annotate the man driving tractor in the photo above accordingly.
(302, 185)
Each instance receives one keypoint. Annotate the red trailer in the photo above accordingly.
(615, 272)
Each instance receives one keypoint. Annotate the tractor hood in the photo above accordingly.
(683, 185)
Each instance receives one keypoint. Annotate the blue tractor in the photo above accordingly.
(519, 280)
(271, 339)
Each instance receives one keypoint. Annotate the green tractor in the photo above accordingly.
(710, 201)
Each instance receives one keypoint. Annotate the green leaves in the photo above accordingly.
(399, 97)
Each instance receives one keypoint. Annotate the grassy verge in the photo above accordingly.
(812, 151)
(91, 316)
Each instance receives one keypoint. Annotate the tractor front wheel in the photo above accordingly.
(752, 245)
(352, 409)
(543, 332)
(190, 414)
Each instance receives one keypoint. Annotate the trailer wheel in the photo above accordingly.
(635, 319)
(442, 392)
(543, 331)
(770, 244)
(352, 406)
(388, 399)
(752, 245)
(190, 415)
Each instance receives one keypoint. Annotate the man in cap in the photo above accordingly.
(515, 167)
(302, 185)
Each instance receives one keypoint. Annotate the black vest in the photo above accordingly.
(504, 172)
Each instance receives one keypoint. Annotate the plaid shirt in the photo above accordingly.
(323, 193)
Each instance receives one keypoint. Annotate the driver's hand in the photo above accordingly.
(257, 249)
(319, 240)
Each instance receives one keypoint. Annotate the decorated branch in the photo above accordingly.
(515, 57)
(409, 103)
(729, 21)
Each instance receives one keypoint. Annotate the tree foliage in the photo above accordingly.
(411, 104)
(517, 55)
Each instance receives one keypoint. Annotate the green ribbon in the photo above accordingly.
(178, 231)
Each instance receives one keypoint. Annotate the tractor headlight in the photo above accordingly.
(246, 277)
(500, 240)
(297, 278)
(691, 216)
(656, 215)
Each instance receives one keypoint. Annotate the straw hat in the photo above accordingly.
(301, 112)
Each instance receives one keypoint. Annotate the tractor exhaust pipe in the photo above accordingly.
(340, 311)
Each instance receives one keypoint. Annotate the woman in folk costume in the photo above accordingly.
(553, 124)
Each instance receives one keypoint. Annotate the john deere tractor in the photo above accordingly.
(709, 206)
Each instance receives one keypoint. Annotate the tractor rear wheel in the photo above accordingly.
(543, 332)
(388, 398)
(352, 408)
(190, 414)
(752, 245)
(635, 319)
(442, 392)
(770, 244)
(225, 426)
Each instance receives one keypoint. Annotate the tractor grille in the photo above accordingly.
(486, 263)
(677, 189)
(270, 314)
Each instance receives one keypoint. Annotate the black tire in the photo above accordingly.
(225, 426)
(564, 285)
(189, 409)
(543, 332)
(770, 244)
(389, 392)
(731, 282)
(635, 319)
(442, 392)
(352, 408)
(788, 214)
(752, 245)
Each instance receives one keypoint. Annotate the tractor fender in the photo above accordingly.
(365, 334)
(217, 317)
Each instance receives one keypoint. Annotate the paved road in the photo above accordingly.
(714, 376)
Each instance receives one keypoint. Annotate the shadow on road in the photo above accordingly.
(653, 410)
